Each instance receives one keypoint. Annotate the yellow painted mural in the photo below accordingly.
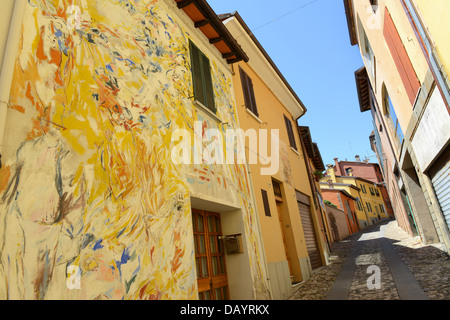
(92, 207)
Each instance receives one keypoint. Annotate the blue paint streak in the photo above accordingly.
(125, 257)
(98, 245)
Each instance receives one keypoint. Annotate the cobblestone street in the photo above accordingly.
(429, 268)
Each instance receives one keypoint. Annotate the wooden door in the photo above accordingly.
(282, 227)
(209, 256)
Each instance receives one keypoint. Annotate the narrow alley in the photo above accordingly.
(406, 269)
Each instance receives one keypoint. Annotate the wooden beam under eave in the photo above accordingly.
(231, 61)
(215, 40)
(201, 23)
(229, 55)
(184, 3)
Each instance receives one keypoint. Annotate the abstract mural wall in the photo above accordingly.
(91, 205)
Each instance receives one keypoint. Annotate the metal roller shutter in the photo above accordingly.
(441, 184)
(309, 231)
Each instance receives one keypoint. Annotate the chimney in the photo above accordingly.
(336, 161)
(331, 173)
(358, 159)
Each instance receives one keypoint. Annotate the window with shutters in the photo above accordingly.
(400, 57)
(366, 50)
(290, 132)
(392, 119)
(359, 205)
(266, 203)
(202, 79)
(363, 188)
(249, 94)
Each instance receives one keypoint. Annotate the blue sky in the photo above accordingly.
(311, 47)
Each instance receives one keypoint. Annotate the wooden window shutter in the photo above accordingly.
(266, 203)
(249, 93)
(208, 84)
(290, 132)
(401, 58)
(202, 79)
(197, 73)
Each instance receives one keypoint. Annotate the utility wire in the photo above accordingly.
(284, 15)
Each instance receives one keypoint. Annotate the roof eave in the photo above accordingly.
(348, 4)
(237, 16)
(210, 17)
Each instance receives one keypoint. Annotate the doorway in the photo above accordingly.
(283, 235)
(210, 263)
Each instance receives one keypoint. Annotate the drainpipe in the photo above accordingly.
(9, 58)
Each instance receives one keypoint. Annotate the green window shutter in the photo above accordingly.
(208, 85)
(201, 77)
(196, 73)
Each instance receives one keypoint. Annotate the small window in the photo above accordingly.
(363, 188)
(290, 132)
(266, 203)
(249, 94)
(201, 75)
(360, 207)
(277, 189)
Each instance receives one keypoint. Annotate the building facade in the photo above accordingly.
(368, 171)
(347, 204)
(338, 221)
(292, 234)
(405, 51)
(370, 207)
(315, 168)
(102, 194)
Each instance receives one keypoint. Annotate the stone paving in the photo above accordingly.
(429, 265)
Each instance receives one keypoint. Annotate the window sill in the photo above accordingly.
(254, 116)
(295, 151)
(211, 114)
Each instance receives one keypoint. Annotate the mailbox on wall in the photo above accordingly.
(233, 243)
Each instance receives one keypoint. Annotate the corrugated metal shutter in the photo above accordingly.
(309, 231)
(441, 184)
